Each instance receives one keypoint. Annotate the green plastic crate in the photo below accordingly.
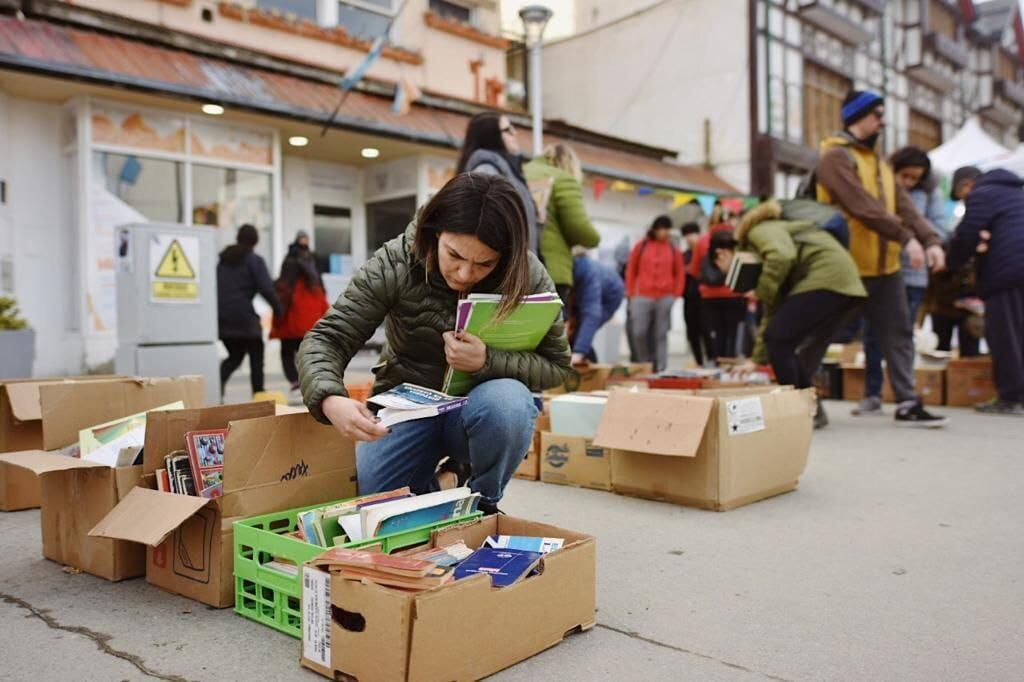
(274, 598)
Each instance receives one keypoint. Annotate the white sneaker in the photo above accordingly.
(869, 407)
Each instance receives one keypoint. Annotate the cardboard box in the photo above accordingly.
(575, 461)
(714, 450)
(929, 383)
(462, 631)
(529, 468)
(48, 414)
(592, 377)
(75, 495)
(969, 381)
(271, 463)
(577, 414)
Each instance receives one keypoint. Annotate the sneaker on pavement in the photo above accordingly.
(869, 407)
(1003, 407)
(915, 415)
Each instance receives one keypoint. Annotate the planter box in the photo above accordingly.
(17, 353)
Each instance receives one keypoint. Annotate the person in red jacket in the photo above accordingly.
(722, 309)
(655, 278)
(303, 303)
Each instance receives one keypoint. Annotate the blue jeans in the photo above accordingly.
(873, 377)
(493, 433)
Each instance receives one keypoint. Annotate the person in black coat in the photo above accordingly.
(992, 232)
(241, 274)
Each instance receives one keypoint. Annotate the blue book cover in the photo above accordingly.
(505, 566)
(428, 515)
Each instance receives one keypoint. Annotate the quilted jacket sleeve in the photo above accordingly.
(328, 347)
(548, 366)
(567, 196)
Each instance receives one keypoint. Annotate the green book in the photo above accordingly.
(523, 330)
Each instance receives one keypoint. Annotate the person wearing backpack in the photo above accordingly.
(883, 223)
(558, 176)
(808, 285)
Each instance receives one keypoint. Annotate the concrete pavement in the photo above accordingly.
(899, 558)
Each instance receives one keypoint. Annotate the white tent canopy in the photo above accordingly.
(970, 146)
(1014, 162)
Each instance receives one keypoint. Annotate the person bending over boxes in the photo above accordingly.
(470, 238)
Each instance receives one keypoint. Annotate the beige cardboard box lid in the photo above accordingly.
(23, 394)
(68, 407)
(271, 463)
(40, 462)
(148, 516)
(655, 423)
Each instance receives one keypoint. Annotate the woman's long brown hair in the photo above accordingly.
(489, 208)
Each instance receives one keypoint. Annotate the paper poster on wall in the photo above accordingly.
(174, 269)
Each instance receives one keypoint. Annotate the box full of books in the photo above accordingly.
(48, 414)
(203, 469)
(269, 549)
(713, 449)
(480, 597)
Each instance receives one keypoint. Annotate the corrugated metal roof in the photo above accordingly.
(75, 53)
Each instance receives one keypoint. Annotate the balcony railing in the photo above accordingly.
(950, 50)
(827, 18)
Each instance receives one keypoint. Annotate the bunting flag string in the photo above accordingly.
(599, 185)
(682, 199)
(707, 202)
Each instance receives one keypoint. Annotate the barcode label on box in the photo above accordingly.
(316, 616)
(745, 415)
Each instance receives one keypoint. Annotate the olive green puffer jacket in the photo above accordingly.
(394, 288)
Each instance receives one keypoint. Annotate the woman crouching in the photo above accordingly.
(470, 238)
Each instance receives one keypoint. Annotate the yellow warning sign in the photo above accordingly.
(184, 291)
(175, 264)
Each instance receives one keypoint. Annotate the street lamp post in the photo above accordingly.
(535, 20)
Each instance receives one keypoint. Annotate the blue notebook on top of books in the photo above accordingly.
(505, 566)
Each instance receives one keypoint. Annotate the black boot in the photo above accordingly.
(820, 418)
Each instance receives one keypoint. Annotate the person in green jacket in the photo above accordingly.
(808, 286)
(470, 238)
(556, 183)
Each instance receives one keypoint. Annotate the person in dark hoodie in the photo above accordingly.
(241, 274)
(597, 293)
(491, 147)
(992, 232)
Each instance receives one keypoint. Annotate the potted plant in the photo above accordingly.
(17, 342)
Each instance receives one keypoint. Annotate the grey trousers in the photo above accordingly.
(887, 314)
(650, 319)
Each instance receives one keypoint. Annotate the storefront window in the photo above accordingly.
(153, 187)
(227, 198)
(332, 239)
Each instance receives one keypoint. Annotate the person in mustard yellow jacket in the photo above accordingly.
(883, 222)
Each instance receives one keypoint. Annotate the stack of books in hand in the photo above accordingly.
(523, 330)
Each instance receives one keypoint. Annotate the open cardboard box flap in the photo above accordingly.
(283, 461)
(40, 462)
(655, 423)
(165, 430)
(24, 398)
(68, 407)
(147, 516)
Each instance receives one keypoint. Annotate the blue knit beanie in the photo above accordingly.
(859, 104)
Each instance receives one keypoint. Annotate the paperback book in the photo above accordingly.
(408, 401)
(522, 330)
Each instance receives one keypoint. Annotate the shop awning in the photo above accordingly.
(80, 54)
